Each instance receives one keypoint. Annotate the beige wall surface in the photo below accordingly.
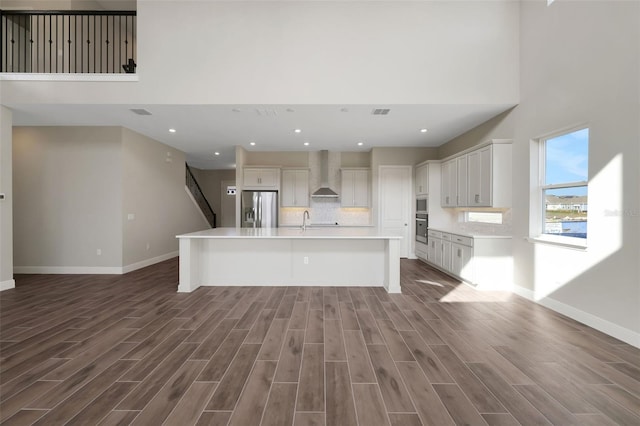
(277, 158)
(293, 61)
(6, 205)
(68, 196)
(355, 159)
(153, 187)
(209, 181)
(499, 127)
(68, 4)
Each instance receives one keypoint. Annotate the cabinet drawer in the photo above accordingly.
(434, 234)
(467, 241)
(446, 236)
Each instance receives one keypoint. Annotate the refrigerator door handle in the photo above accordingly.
(259, 218)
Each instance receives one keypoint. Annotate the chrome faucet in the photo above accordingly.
(305, 216)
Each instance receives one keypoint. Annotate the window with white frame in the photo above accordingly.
(564, 160)
(494, 218)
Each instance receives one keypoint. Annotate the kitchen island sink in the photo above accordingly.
(323, 256)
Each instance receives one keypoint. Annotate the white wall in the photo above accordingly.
(583, 68)
(258, 52)
(68, 198)
(153, 190)
(580, 64)
(6, 205)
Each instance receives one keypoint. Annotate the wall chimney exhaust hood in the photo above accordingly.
(324, 191)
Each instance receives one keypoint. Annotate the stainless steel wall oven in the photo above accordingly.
(422, 224)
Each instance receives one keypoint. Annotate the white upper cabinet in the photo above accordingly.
(261, 178)
(482, 178)
(479, 177)
(462, 181)
(449, 182)
(295, 188)
(355, 188)
(422, 180)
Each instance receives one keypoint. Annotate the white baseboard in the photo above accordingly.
(621, 333)
(97, 270)
(149, 262)
(7, 285)
(93, 270)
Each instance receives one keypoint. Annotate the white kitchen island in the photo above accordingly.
(353, 257)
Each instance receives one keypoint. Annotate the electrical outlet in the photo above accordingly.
(99, 252)
(131, 216)
(306, 260)
(148, 246)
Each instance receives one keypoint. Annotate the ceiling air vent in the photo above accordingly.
(140, 111)
(380, 111)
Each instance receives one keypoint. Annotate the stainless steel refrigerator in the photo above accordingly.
(259, 209)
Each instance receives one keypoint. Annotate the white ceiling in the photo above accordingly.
(202, 130)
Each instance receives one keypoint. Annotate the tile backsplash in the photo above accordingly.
(484, 228)
(326, 211)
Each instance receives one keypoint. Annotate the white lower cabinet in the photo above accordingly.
(421, 250)
(484, 261)
(434, 247)
(461, 257)
(446, 251)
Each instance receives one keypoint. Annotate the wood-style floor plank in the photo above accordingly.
(226, 395)
(188, 410)
(340, 409)
(128, 349)
(394, 393)
(253, 400)
(369, 405)
(429, 407)
(291, 357)
(311, 387)
(281, 405)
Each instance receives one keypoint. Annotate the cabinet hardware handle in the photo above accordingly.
(459, 253)
(477, 198)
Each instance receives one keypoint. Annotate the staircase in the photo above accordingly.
(198, 196)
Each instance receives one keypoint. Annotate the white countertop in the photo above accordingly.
(472, 234)
(335, 233)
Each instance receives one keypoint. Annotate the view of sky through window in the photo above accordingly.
(566, 164)
(566, 160)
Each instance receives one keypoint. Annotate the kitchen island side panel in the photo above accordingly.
(250, 262)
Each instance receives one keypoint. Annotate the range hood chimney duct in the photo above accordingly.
(324, 190)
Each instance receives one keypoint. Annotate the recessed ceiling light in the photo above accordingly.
(423, 130)
(360, 143)
(172, 130)
(252, 143)
(306, 144)
(298, 130)
(216, 153)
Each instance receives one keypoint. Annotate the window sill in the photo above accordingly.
(565, 242)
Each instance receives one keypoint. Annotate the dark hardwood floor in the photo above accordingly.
(110, 350)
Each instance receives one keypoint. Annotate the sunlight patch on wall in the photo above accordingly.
(556, 266)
